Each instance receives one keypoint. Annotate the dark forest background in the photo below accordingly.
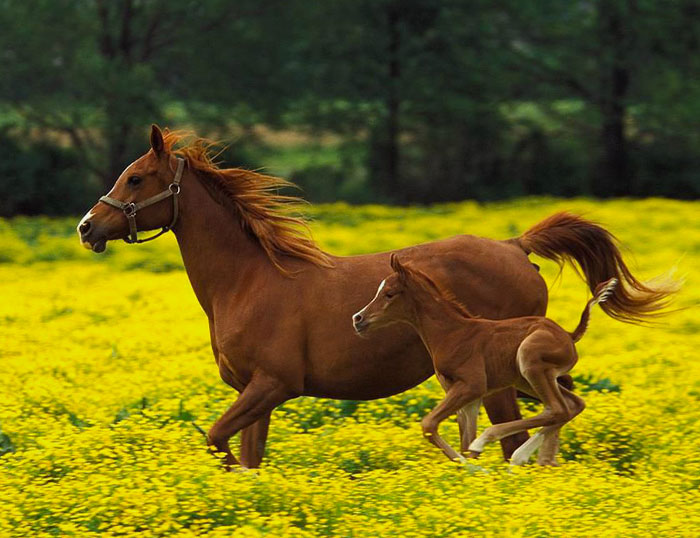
(395, 101)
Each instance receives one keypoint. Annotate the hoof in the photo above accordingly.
(521, 456)
(478, 445)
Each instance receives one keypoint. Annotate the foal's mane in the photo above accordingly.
(438, 291)
(253, 198)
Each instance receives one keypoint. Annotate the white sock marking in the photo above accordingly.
(522, 454)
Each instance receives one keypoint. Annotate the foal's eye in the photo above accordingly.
(134, 180)
(389, 294)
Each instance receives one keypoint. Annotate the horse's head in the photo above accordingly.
(140, 197)
(390, 304)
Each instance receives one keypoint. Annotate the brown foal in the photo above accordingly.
(278, 306)
(474, 357)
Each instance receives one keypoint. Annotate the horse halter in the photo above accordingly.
(130, 208)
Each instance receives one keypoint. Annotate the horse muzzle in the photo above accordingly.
(91, 237)
(361, 324)
(360, 328)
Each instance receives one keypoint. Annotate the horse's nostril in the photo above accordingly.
(357, 318)
(84, 227)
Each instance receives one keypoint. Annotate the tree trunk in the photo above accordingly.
(616, 170)
(615, 177)
(392, 145)
(118, 52)
(118, 136)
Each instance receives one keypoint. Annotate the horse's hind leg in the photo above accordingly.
(550, 447)
(547, 454)
(555, 414)
(458, 395)
(541, 381)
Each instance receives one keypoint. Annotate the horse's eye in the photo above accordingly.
(134, 180)
(389, 294)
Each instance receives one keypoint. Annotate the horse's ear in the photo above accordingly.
(157, 140)
(397, 266)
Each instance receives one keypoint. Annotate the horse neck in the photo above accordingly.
(218, 254)
(433, 317)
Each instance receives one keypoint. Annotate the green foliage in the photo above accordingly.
(586, 383)
(6, 444)
(359, 100)
(40, 178)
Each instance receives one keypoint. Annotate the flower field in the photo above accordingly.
(106, 370)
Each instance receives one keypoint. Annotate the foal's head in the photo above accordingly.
(399, 298)
(147, 176)
(392, 302)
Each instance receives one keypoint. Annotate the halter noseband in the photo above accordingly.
(130, 208)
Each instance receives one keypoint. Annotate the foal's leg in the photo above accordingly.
(466, 418)
(458, 395)
(258, 399)
(550, 447)
(470, 416)
(539, 376)
(502, 406)
(547, 454)
(543, 383)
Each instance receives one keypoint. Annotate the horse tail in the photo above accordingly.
(602, 294)
(564, 237)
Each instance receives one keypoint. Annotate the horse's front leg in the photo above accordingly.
(253, 439)
(470, 416)
(257, 400)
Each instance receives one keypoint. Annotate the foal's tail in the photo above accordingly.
(602, 293)
(564, 237)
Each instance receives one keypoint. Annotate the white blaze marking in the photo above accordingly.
(86, 217)
(381, 286)
(91, 214)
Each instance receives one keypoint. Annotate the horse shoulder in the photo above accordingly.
(259, 334)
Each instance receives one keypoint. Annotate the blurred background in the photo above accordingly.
(391, 101)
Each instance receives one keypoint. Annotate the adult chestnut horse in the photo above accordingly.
(279, 308)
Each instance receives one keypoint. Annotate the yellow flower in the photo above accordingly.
(98, 399)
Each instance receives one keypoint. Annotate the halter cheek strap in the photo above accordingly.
(130, 208)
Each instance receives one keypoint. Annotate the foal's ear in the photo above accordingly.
(157, 140)
(397, 266)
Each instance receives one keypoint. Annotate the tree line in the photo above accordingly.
(425, 100)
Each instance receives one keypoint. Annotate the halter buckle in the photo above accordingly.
(130, 209)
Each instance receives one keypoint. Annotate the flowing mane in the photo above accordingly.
(436, 290)
(254, 199)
